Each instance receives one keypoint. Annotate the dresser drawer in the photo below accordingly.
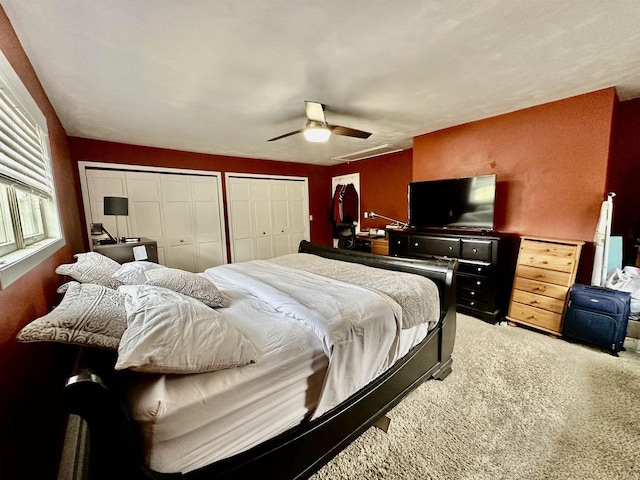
(540, 288)
(399, 244)
(474, 294)
(539, 301)
(473, 303)
(475, 268)
(536, 316)
(442, 247)
(548, 248)
(547, 276)
(475, 283)
(476, 250)
(551, 262)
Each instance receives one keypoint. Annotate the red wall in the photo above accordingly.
(31, 375)
(623, 175)
(551, 162)
(383, 186)
(83, 149)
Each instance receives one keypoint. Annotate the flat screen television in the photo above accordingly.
(453, 203)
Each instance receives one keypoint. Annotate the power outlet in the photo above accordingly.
(366, 214)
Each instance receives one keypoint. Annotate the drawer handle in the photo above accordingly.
(473, 293)
(450, 248)
(479, 269)
(542, 275)
(540, 289)
(478, 282)
(181, 241)
(532, 317)
(472, 303)
(416, 244)
(544, 262)
(533, 302)
(475, 250)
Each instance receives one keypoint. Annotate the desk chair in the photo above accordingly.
(346, 235)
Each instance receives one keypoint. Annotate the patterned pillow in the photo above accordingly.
(92, 267)
(91, 315)
(186, 283)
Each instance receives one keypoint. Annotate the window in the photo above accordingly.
(29, 221)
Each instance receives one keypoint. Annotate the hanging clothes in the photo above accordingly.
(350, 204)
(344, 206)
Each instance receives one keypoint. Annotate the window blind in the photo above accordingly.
(23, 158)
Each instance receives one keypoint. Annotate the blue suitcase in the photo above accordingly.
(597, 316)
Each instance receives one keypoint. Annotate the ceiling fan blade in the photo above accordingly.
(315, 111)
(348, 132)
(285, 135)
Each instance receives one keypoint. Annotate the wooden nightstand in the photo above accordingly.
(122, 252)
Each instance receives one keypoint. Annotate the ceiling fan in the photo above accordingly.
(318, 130)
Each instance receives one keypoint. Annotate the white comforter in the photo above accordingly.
(359, 328)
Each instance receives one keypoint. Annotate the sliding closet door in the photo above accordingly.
(268, 216)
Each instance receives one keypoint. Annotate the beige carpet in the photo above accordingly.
(518, 405)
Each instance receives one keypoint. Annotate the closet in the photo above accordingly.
(180, 209)
(268, 216)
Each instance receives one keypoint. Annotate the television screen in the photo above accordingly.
(457, 203)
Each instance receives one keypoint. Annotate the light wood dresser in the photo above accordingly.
(545, 271)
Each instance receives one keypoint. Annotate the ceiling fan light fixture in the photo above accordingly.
(316, 132)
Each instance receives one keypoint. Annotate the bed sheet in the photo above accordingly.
(189, 421)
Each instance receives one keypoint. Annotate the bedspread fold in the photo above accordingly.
(359, 327)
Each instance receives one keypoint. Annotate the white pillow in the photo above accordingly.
(132, 273)
(172, 333)
(92, 267)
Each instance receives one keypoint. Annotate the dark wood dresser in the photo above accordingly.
(486, 263)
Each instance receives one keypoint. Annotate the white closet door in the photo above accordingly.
(263, 223)
(241, 220)
(298, 214)
(180, 224)
(105, 183)
(268, 217)
(180, 211)
(281, 217)
(146, 213)
(209, 236)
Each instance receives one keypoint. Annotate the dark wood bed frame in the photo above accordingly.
(114, 452)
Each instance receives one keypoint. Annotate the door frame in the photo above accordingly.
(84, 165)
(261, 176)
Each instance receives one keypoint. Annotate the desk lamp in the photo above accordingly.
(116, 206)
(398, 222)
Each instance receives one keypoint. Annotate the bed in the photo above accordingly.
(291, 410)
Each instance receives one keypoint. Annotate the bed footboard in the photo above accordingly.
(115, 451)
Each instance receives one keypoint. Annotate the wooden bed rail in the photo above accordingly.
(96, 394)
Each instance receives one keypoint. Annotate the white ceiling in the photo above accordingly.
(223, 76)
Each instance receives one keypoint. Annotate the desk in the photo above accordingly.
(122, 252)
(377, 245)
